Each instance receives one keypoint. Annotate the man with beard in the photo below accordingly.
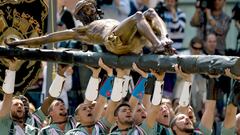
(182, 125)
(12, 112)
(36, 118)
(184, 108)
(189, 112)
(129, 36)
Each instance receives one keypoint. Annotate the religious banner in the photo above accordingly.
(22, 19)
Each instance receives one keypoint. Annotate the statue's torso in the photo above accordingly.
(101, 32)
(100, 29)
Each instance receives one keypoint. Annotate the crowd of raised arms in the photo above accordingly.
(109, 108)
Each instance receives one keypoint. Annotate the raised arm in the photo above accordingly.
(104, 92)
(91, 92)
(229, 123)
(116, 95)
(185, 95)
(219, 27)
(138, 91)
(210, 104)
(156, 99)
(55, 88)
(8, 85)
(195, 21)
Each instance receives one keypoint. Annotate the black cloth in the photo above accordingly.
(66, 18)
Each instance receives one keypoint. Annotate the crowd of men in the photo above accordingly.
(109, 108)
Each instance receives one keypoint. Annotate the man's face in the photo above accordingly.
(58, 111)
(164, 115)
(85, 114)
(219, 4)
(124, 116)
(139, 115)
(211, 43)
(183, 124)
(17, 109)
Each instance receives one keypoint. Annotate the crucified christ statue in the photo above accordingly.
(129, 36)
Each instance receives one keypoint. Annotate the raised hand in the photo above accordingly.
(159, 76)
(122, 72)
(105, 67)
(13, 64)
(137, 69)
(61, 68)
(229, 74)
(95, 71)
(185, 76)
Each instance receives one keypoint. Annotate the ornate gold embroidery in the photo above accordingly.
(3, 23)
(21, 23)
(3, 2)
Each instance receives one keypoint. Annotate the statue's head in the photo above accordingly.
(86, 11)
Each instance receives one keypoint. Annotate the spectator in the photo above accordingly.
(216, 21)
(195, 47)
(175, 20)
(210, 47)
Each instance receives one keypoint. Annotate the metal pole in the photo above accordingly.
(51, 28)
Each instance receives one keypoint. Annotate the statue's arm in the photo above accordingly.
(49, 38)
